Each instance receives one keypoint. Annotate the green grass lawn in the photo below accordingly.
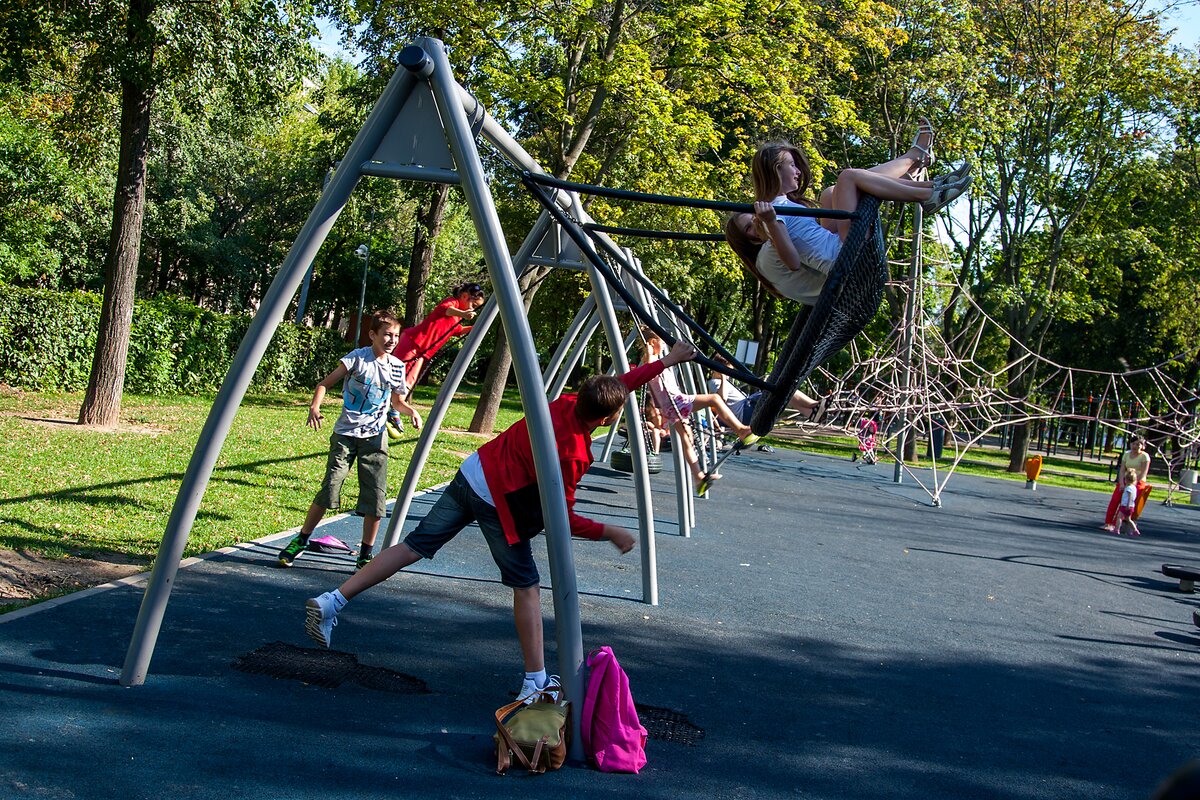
(65, 490)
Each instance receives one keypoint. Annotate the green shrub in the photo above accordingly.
(48, 339)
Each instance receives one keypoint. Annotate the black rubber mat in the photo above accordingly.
(665, 725)
(327, 668)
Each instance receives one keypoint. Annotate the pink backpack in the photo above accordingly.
(612, 734)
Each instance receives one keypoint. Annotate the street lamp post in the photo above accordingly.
(363, 252)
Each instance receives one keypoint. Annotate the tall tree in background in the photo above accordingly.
(1068, 82)
(139, 49)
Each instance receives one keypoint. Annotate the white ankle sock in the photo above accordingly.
(339, 602)
(537, 678)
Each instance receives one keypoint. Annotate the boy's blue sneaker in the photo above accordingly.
(320, 618)
(395, 426)
(291, 551)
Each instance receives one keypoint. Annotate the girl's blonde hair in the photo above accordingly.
(1130, 475)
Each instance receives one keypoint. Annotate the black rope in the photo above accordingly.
(649, 234)
(585, 247)
(739, 370)
(689, 202)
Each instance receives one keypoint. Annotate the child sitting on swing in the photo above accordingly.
(676, 406)
(793, 256)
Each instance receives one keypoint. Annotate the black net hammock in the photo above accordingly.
(847, 303)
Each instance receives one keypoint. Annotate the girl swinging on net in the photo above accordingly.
(793, 256)
(676, 406)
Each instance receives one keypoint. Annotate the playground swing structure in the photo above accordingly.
(424, 128)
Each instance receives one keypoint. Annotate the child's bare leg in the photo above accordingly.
(689, 452)
(906, 165)
(826, 201)
(370, 529)
(802, 402)
(390, 561)
(852, 182)
(527, 616)
(724, 414)
(902, 167)
(312, 519)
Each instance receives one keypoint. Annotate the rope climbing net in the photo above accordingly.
(940, 389)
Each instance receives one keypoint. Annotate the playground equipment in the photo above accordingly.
(424, 127)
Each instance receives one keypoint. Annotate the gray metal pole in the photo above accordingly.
(302, 303)
(564, 346)
(529, 379)
(910, 312)
(362, 294)
(513, 151)
(249, 354)
(437, 414)
(683, 474)
(560, 380)
(633, 424)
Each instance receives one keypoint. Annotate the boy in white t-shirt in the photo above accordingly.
(372, 376)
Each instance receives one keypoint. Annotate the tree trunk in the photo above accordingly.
(429, 225)
(1019, 448)
(102, 403)
(496, 378)
(494, 382)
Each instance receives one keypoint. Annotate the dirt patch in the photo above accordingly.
(25, 577)
(59, 423)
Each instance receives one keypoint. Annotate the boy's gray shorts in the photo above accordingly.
(371, 455)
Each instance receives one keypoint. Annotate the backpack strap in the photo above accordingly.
(508, 747)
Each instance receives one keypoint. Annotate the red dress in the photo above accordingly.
(421, 342)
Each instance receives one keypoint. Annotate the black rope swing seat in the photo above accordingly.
(847, 303)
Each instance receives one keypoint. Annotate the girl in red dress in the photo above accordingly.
(420, 343)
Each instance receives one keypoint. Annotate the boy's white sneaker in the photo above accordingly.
(320, 617)
(529, 689)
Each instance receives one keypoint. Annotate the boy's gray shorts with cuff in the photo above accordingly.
(371, 454)
(457, 508)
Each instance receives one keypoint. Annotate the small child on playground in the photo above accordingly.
(497, 487)
(1137, 459)
(867, 430)
(372, 375)
(676, 406)
(419, 344)
(1128, 506)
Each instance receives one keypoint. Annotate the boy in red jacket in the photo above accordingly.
(497, 487)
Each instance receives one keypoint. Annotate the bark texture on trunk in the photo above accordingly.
(102, 403)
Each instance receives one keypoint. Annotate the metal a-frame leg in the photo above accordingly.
(262, 328)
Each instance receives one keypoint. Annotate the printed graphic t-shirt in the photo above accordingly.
(366, 391)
